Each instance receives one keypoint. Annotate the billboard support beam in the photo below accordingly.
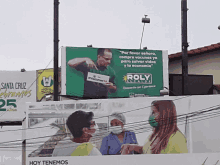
(144, 20)
(56, 45)
(184, 48)
(24, 142)
(24, 152)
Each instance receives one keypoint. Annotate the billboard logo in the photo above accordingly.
(47, 81)
(138, 78)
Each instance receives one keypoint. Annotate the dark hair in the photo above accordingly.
(167, 125)
(77, 121)
(101, 51)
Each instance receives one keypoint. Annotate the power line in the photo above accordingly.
(137, 109)
(188, 115)
(151, 127)
(101, 116)
(38, 76)
(137, 132)
(105, 116)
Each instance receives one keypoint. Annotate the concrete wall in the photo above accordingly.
(205, 64)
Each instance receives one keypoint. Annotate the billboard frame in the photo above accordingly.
(63, 69)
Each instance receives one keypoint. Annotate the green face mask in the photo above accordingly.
(152, 121)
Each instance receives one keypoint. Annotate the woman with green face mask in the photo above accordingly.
(166, 137)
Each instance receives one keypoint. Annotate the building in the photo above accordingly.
(201, 61)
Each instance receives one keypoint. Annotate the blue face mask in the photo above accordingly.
(152, 121)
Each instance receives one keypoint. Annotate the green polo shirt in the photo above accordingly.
(94, 89)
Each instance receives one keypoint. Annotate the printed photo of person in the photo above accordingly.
(101, 67)
(111, 144)
(82, 127)
(166, 137)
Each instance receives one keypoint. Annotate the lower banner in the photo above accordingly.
(171, 159)
(116, 131)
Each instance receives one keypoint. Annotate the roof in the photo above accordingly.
(197, 51)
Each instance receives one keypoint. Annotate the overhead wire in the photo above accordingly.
(99, 140)
(138, 108)
(98, 117)
(151, 128)
(183, 116)
(37, 77)
(101, 116)
(94, 118)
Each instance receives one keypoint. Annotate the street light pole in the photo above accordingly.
(184, 48)
(144, 20)
(56, 45)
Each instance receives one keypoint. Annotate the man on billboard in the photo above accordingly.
(99, 77)
(82, 127)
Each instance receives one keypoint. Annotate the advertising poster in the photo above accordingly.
(112, 73)
(45, 82)
(16, 88)
(66, 131)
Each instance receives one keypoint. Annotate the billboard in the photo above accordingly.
(113, 73)
(16, 89)
(52, 135)
(45, 82)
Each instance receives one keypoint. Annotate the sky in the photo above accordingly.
(27, 32)
(27, 27)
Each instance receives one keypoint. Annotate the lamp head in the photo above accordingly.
(145, 20)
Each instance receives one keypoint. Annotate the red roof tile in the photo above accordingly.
(216, 46)
(191, 52)
(211, 47)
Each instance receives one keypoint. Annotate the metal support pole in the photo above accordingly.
(24, 126)
(144, 20)
(142, 35)
(56, 45)
(24, 152)
(186, 125)
(184, 48)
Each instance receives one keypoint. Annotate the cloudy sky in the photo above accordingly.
(27, 32)
(27, 27)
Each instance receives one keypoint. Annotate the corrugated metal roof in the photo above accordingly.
(197, 51)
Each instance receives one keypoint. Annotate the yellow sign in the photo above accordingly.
(45, 82)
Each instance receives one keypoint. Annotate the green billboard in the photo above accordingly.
(112, 73)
